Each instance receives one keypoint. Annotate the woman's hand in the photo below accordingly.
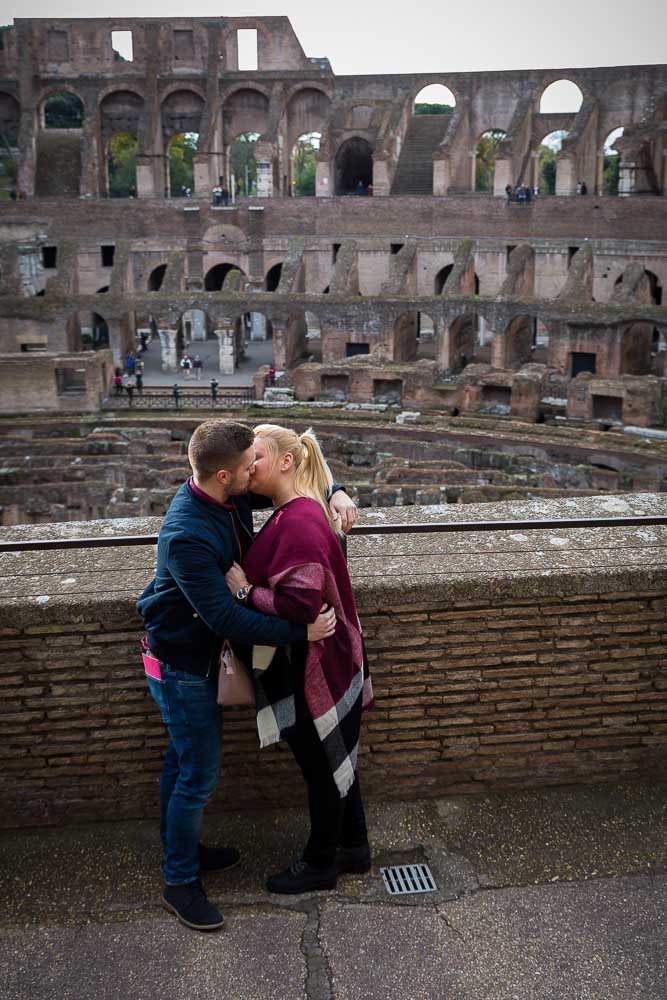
(323, 626)
(341, 504)
(236, 578)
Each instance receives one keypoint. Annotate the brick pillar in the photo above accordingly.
(89, 185)
(168, 352)
(146, 178)
(324, 179)
(226, 350)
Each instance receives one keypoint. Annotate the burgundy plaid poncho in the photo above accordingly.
(296, 564)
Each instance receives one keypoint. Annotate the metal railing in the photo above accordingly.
(435, 527)
(186, 399)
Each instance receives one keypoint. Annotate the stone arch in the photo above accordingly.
(194, 328)
(435, 94)
(609, 182)
(156, 277)
(303, 164)
(87, 330)
(353, 164)
(655, 288)
(181, 112)
(636, 348)
(460, 343)
(485, 155)
(561, 96)
(308, 110)
(10, 118)
(443, 274)
(61, 108)
(519, 340)
(245, 109)
(214, 278)
(121, 110)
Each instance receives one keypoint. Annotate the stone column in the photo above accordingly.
(226, 350)
(146, 178)
(324, 179)
(202, 174)
(441, 177)
(502, 176)
(627, 172)
(565, 179)
(498, 348)
(89, 182)
(168, 352)
(380, 178)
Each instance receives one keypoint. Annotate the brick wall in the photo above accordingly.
(498, 659)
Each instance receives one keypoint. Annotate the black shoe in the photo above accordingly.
(302, 877)
(191, 906)
(353, 860)
(218, 859)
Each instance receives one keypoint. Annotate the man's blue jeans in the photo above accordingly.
(191, 766)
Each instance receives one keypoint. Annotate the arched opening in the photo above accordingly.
(243, 165)
(273, 276)
(443, 274)
(304, 164)
(462, 341)
(426, 337)
(156, 277)
(637, 349)
(655, 288)
(404, 336)
(58, 164)
(62, 110)
(246, 110)
(313, 337)
(87, 331)
(122, 165)
(353, 166)
(10, 116)
(540, 342)
(611, 163)
(181, 151)
(520, 337)
(485, 158)
(441, 279)
(561, 97)
(196, 341)
(435, 99)
(549, 148)
(215, 277)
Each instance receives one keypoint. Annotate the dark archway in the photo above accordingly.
(441, 279)
(215, 278)
(353, 163)
(156, 277)
(273, 277)
(520, 336)
(463, 341)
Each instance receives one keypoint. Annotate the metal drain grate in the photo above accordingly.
(402, 879)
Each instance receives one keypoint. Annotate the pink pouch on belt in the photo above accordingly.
(151, 664)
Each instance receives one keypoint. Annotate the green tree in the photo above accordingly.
(122, 165)
(547, 170)
(612, 169)
(433, 109)
(63, 110)
(305, 167)
(243, 164)
(182, 149)
(485, 163)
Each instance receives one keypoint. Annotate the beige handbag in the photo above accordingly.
(235, 685)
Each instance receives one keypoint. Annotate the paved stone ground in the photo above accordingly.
(556, 894)
(258, 353)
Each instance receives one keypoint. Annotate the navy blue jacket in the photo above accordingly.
(188, 608)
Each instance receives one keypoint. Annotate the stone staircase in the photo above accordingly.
(414, 173)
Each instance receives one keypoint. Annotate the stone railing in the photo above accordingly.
(506, 657)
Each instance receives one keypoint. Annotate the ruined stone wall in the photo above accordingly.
(499, 659)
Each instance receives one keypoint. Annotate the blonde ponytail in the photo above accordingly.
(312, 475)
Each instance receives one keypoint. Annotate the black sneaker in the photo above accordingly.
(302, 877)
(191, 906)
(218, 859)
(353, 860)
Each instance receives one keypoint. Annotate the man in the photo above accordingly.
(188, 610)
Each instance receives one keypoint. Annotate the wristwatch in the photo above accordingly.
(242, 593)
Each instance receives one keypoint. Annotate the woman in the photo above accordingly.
(310, 694)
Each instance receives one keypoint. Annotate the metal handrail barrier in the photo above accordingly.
(435, 527)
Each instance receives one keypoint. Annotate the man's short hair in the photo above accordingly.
(218, 444)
